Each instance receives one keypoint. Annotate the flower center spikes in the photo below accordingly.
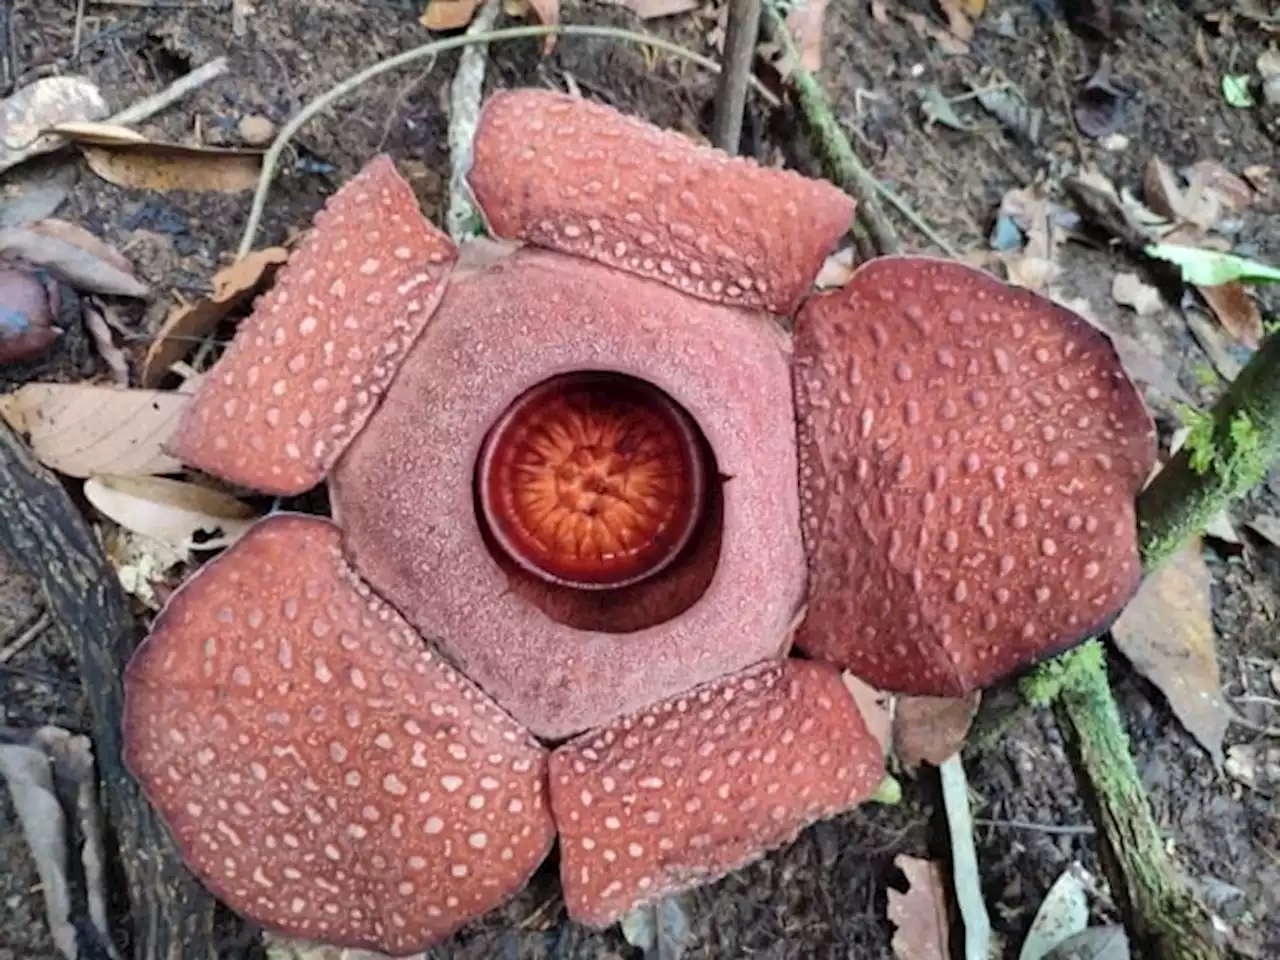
(593, 480)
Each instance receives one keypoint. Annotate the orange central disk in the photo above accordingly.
(592, 480)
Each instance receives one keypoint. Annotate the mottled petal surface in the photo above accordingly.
(322, 771)
(404, 491)
(583, 178)
(307, 367)
(690, 789)
(970, 455)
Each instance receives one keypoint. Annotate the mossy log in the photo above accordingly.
(46, 535)
(1163, 918)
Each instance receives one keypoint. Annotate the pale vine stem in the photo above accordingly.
(327, 99)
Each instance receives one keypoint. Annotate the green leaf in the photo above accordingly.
(1209, 268)
(1235, 90)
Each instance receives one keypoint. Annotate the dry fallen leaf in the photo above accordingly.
(448, 14)
(1063, 913)
(100, 332)
(35, 191)
(652, 9)
(545, 12)
(99, 134)
(1256, 765)
(1167, 634)
(873, 704)
(164, 168)
(958, 21)
(1035, 267)
(1236, 311)
(836, 269)
(1129, 291)
(931, 729)
(30, 112)
(1197, 204)
(920, 914)
(1259, 177)
(1234, 192)
(78, 236)
(123, 157)
(185, 516)
(925, 29)
(74, 256)
(81, 429)
(188, 323)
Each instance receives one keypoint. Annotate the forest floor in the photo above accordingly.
(825, 896)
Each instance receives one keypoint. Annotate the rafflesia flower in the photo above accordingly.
(588, 494)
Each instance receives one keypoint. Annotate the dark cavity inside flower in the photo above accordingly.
(593, 480)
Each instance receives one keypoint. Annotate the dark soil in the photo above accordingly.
(825, 895)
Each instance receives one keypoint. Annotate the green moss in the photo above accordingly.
(1237, 454)
(1199, 442)
(1040, 687)
(1249, 460)
(1205, 374)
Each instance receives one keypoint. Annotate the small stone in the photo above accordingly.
(255, 130)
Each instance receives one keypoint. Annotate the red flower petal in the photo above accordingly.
(322, 772)
(307, 368)
(970, 455)
(690, 789)
(404, 491)
(582, 178)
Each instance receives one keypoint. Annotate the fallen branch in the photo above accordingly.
(148, 107)
(740, 37)
(462, 220)
(43, 531)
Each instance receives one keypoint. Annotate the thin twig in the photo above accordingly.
(1256, 698)
(156, 4)
(981, 91)
(393, 114)
(467, 91)
(10, 650)
(10, 49)
(909, 214)
(333, 95)
(149, 107)
(78, 31)
(1061, 39)
(1068, 829)
(741, 33)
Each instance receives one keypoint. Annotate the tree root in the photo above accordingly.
(44, 532)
